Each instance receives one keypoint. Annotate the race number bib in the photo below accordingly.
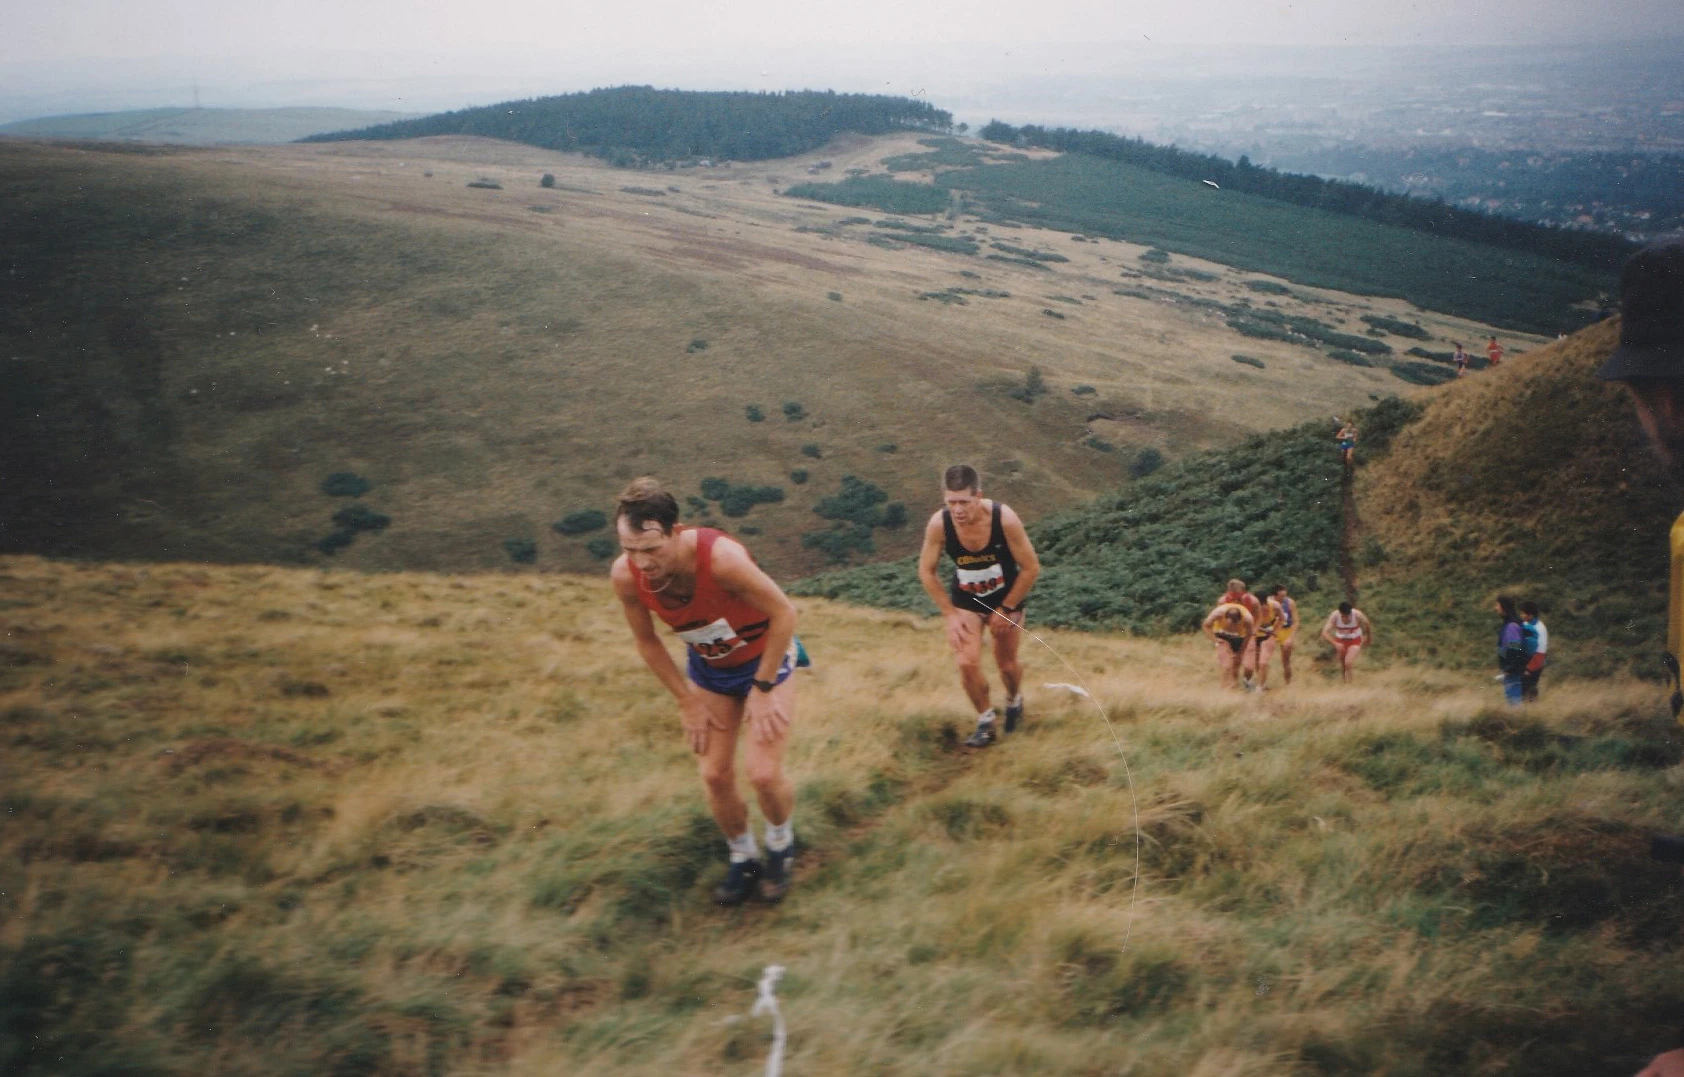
(981, 581)
(714, 640)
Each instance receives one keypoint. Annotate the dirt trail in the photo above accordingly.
(1350, 526)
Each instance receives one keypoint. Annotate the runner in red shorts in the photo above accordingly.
(738, 629)
(1347, 628)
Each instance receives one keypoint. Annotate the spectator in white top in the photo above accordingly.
(1536, 660)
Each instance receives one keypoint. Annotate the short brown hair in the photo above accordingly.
(643, 501)
(961, 477)
(1237, 586)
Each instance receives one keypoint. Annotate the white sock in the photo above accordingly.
(1015, 701)
(742, 848)
(782, 836)
(986, 717)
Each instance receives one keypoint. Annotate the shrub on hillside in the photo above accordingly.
(793, 411)
(646, 191)
(361, 518)
(894, 515)
(1146, 462)
(834, 297)
(332, 543)
(753, 413)
(798, 476)
(856, 502)
(840, 541)
(1345, 355)
(1268, 287)
(812, 449)
(1084, 390)
(602, 547)
(1157, 255)
(489, 185)
(1026, 252)
(697, 345)
(1034, 386)
(1396, 326)
(346, 484)
(715, 488)
(547, 180)
(1015, 260)
(738, 500)
(888, 446)
(1423, 373)
(878, 192)
(521, 551)
(582, 522)
(1248, 361)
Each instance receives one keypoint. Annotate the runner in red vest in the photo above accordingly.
(1494, 352)
(738, 628)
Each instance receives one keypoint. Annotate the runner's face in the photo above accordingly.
(650, 552)
(965, 505)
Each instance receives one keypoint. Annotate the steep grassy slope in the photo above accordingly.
(195, 340)
(1531, 479)
(269, 821)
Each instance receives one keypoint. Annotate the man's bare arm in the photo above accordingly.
(929, 559)
(649, 646)
(1023, 552)
(740, 576)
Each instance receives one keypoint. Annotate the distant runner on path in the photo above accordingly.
(738, 630)
(1229, 626)
(1460, 359)
(994, 566)
(1347, 438)
(1494, 352)
(1347, 628)
(1287, 633)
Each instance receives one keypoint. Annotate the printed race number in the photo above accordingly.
(981, 581)
(714, 640)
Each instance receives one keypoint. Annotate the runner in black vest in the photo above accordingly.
(994, 568)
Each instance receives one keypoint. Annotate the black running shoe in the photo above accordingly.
(739, 883)
(984, 736)
(775, 879)
(1014, 715)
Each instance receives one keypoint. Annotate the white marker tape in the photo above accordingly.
(1073, 689)
(767, 1002)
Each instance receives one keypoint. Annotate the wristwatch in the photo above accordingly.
(765, 686)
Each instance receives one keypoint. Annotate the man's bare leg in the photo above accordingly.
(718, 764)
(1286, 662)
(1006, 640)
(763, 763)
(969, 659)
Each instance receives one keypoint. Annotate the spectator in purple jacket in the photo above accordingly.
(1511, 651)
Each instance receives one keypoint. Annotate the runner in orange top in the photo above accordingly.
(1494, 352)
(1229, 626)
(1347, 628)
(739, 633)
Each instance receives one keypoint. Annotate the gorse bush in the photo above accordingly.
(602, 547)
(346, 484)
(798, 476)
(812, 449)
(793, 411)
(1034, 385)
(753, 413)
(1397, 326)
(361, 518)
(522, 551)
(582, 522)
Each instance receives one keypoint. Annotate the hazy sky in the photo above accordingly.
(45, 31)
(71, 55)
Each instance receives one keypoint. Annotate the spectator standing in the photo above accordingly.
(1511, 650)
(1538, 644)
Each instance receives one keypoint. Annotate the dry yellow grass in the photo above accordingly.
(291, 821)
(494, 359)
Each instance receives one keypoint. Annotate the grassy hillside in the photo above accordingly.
(268, 821)
(1532, 479)
(1152, 557)
(197, 341)
(199, 126)
(1091, 196)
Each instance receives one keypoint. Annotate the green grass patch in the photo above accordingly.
(877, 192)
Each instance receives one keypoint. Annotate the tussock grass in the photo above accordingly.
(480, 848)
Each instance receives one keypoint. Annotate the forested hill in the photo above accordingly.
(629, 125)
(1336, 196)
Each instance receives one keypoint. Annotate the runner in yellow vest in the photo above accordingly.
(1230, 627)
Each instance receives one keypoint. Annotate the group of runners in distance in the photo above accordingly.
(1493, 354)
(741, 649)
